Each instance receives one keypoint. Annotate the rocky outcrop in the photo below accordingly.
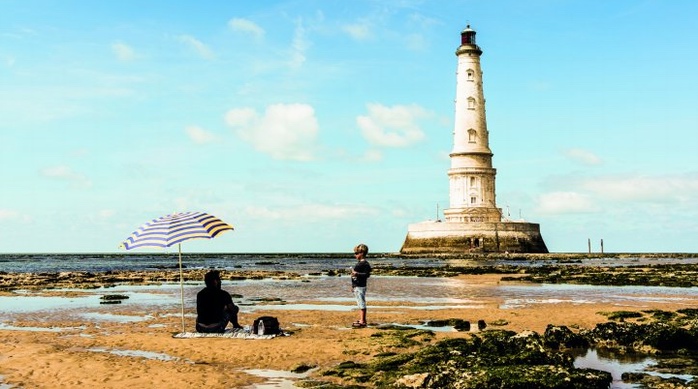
(492, 359)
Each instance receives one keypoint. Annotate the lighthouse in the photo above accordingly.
(472, 222)
(471, 177)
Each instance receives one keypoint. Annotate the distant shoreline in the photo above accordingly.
(548, 256)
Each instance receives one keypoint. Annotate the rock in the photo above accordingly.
(412, 380)
(491, 359)
(557, 337)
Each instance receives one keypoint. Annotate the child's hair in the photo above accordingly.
(361, 248)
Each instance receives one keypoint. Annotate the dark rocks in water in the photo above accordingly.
(612, 334)
(112, 298)
(652, 336)
(633, 377)
(672, 275)
(394, 327)
(458, 324)
(267, 263)
(676, 364)
(650, 381)
(494, 359)
(302, 368)
(110, 302)
(557, 337)
(672, 338)
(498, 358)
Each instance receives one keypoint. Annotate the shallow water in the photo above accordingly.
(333, 294)
(276, 379)
(617, 365)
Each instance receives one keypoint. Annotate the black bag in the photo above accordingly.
(266, 325)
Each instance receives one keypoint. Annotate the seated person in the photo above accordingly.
(214, 306)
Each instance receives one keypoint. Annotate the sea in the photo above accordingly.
(296, 262)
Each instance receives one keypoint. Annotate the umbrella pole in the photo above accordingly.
(181, 283)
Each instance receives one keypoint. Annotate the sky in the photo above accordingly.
(314, 125)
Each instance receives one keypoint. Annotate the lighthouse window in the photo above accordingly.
(472, 135)
(470, 75)
(473, 200)
(471, 103)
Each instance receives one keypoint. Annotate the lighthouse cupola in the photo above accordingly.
(467, 42)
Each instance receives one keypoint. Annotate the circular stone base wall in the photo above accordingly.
(451, 238)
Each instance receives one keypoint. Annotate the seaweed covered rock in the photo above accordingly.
(613, 334)
(663, 337)
(648, 337)
(457, 324)
(493, 359)
(557, 337)
(650, 381)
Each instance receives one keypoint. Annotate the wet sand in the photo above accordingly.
(131, 344)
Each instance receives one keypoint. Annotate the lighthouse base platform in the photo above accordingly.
(437, 237)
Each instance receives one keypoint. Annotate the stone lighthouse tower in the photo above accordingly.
(473, 223)
(471, 177)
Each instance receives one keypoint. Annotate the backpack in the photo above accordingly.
(266, 325)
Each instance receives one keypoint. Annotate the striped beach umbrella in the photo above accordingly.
(175, 229)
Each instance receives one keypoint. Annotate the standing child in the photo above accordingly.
(359, 277)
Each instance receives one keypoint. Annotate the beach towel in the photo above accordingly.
(238, 333)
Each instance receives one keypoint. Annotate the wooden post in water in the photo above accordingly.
(589, 245)
(601, 246)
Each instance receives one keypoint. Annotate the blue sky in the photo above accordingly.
(315, 125)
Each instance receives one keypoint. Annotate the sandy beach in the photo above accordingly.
(57, 349)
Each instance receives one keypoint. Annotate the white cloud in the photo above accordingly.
(106, 213)
(299, 46)
(102, 215)
(65, 173)
(565, 203)
(123, 52)
(9, 61)
(359, 31)
(6, 214)
(12, 215)
(199, 135)
(246, 26)
(197, 45)
(416, 42)
(372, 155)
(394, 126)
(285, 131)
(657, 189)
(311, 213)
(585, 157)
(657, 196)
